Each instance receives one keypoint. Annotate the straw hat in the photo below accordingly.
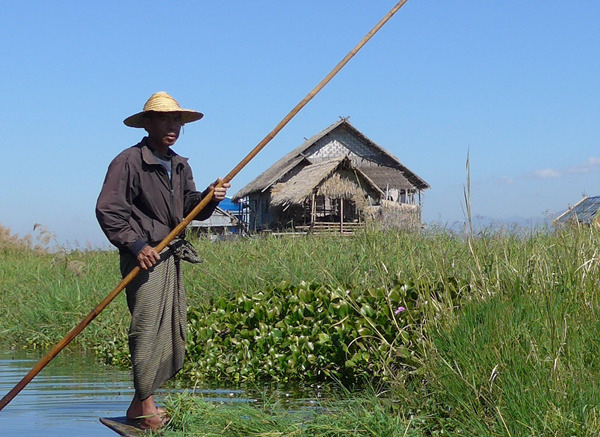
(162, 102)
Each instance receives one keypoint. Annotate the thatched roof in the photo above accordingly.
(387, 178)
(403, 177)
(323, 175)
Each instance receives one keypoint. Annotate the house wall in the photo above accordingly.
(262, 214)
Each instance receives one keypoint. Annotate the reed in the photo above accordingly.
(46, 292)
(521, 358)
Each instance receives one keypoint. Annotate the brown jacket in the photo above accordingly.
(139, 205)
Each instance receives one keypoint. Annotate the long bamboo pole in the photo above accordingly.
(179, 228)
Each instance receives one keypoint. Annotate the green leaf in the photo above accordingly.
(366, 310)
(323, 338)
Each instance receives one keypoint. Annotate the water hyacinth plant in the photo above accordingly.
(307, 332)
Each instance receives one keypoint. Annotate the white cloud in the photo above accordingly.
(505, 180)
(547, 173)
(592, 164)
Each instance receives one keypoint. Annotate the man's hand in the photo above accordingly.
(148, 257)
(220, 192)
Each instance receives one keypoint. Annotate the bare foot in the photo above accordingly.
(146, 414)
(155, 421)
(163, 415)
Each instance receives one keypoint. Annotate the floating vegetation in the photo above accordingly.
(309, 332)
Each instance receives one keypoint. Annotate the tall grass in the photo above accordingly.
(45, 294)
(368, 258)
(522, 357)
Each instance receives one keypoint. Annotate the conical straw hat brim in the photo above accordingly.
(162, 102)
(187, 116)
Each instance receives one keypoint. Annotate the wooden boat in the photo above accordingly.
(122, 426)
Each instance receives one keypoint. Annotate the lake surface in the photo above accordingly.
(69, 395)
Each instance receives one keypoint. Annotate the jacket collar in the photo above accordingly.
(149, 158)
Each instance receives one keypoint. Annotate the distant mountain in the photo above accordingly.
(518, 221)
(481, 223)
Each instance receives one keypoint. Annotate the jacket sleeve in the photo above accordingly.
(191, 197)
(114, 206)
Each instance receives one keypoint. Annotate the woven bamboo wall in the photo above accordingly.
(342, 143)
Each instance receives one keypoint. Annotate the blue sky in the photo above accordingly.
(515, 84)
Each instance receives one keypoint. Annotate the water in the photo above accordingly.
(65, 399)
(73, 391)
(69, 395)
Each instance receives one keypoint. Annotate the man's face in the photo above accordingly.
(163, 127)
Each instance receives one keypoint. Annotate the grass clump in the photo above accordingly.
(521, 359)
(365, 415)
(519, 364)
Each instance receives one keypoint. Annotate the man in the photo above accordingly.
(147, 192)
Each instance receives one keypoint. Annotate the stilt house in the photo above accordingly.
(336, 180)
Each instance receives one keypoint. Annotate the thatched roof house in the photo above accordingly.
(332, 178)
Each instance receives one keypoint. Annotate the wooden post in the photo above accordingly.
(313, 212)
(341, 215)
